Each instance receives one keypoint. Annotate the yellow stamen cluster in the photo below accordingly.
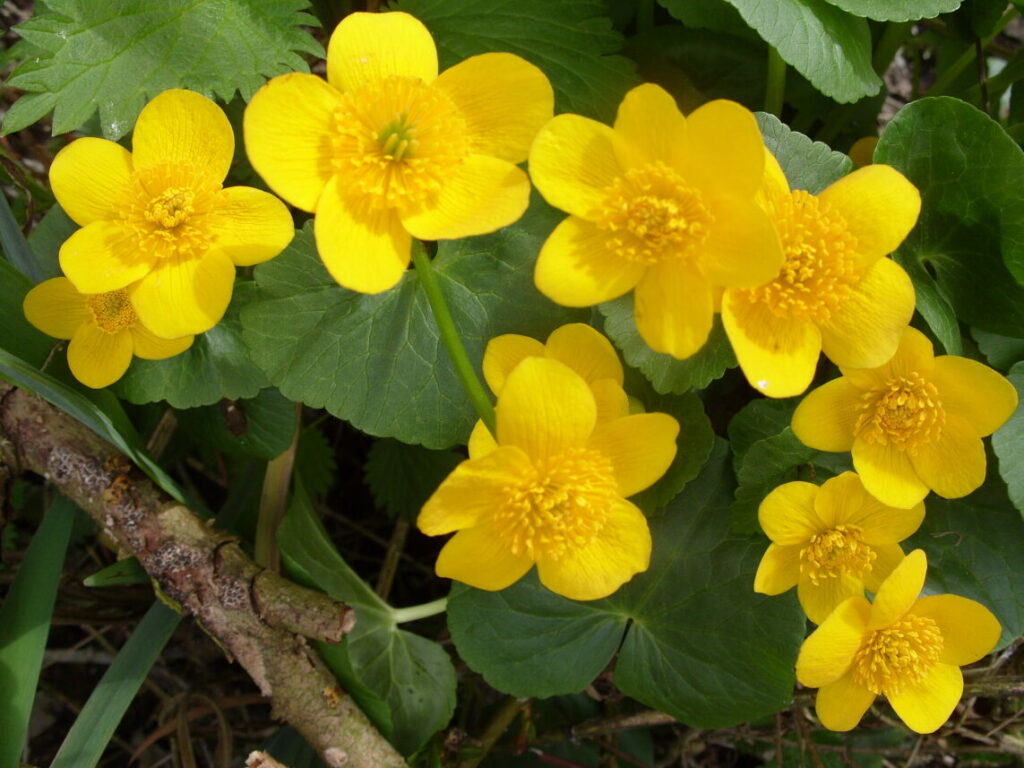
(112, 311)
(819, 269)
(836, 552)
(653, 215)
(166, 210)
(898, 656)
(558, 506)
(905, 413)
(396, 142)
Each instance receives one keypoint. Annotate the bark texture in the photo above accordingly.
(260, 619)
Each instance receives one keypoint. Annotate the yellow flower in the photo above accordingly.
(905, 648)
(863, 151)
(386, 149)
(830, 542)
(912, 424)
(553, 491)
(659, 203)
(836, 291)
(104, 330)
(158, 217)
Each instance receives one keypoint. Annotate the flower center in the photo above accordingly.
(112, 311)
(396, 141)
(819, 269)
(836, 552)
(558, 506)
(653, 215)
(899, 655)
(166, 210)
(906, 412)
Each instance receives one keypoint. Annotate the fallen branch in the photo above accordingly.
(259, 619)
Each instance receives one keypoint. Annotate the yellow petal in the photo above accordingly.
(914, 355)
(150, 347)
(483, 195)
(953, 464)
(503, 354)
(841, 704)
(969, 630)
(97, 358)
(504, 100)
(478, 557)
(576, 269)
(545, 408)
(975, 392)
(775, 184)
(184, 296)
(819, 600)
(743, 248)
(787, 514)
(778, 571)
(611, 399)
(843, 500)
(473, 492)
(724, 150)
(826, 654)
(249, 225)
(288, 127)
(56, 308)
(586, 351)
(365, 250)
(865, 329)
(481, 441)
(674, 309)
(898, 593)
(880, 208)
(778, 355)
(573, 162)
(91, 178)
(926, 706)
(365, 47)
(888, 474)
(186, 128)
(887, 557)
(839, 499)
(621, 550)
(653, 128)
(825, 418)
(641, 448)
(101, 257)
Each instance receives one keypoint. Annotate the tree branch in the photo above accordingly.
(257, 617)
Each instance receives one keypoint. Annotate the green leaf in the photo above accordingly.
(1000, 351)
(215, 367)
(14, 244)
(933, 305)
(975, 547)
(378, 361)
(574, 47)
(702, 646)
(17, 335)
(88, 738)
(127, 571)
(314, 462)
(666, 373)
(47, 238)
(117, 55)
(896, 10)
(693, 446)
(808, 165)
(25, 625)
(830, 48)
(413, 675)
(402, 477)
(971, 231)
(714, 15)
(1008, 443)
(261, 426)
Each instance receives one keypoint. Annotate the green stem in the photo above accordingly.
(945, 80)
(443, 317)
(274, 500)
(775, 88)
(890, 42)
(422, 611)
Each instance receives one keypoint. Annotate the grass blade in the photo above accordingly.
(15, 245)
(88, 738)
(25, 626)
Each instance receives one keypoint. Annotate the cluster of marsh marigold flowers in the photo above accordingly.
(154, 262)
